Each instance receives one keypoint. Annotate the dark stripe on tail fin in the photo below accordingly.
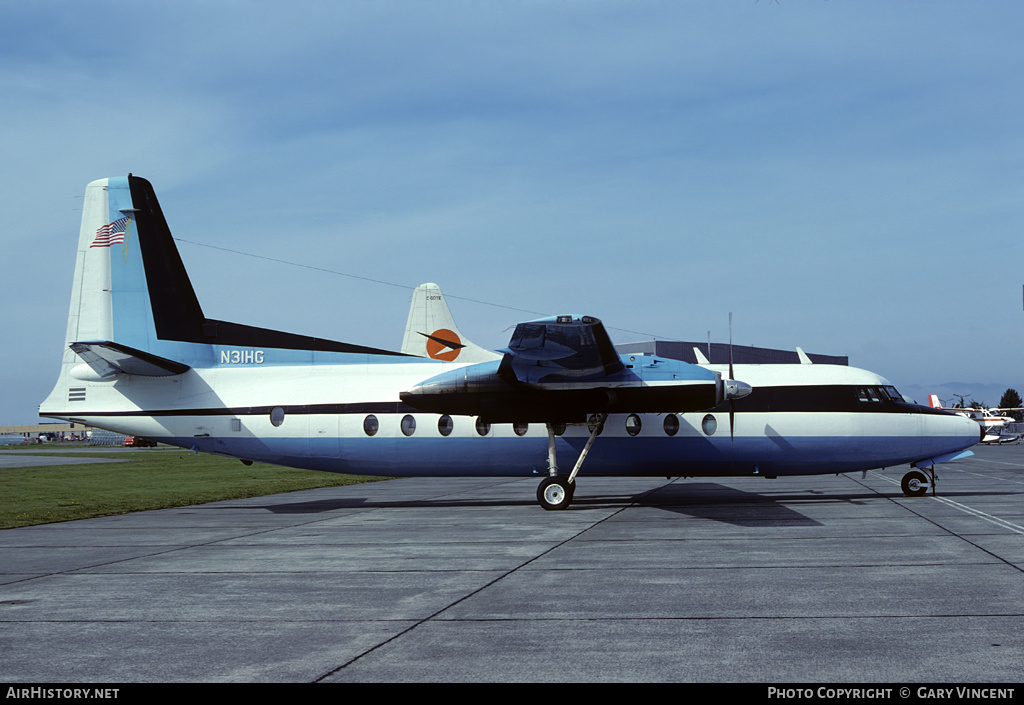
(177, 314)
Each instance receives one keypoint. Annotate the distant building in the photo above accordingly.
(718, 353)
(52, 431)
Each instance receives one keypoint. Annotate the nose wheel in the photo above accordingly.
(915, 484)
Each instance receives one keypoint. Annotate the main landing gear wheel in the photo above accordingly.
(555, 493)
(914, 484)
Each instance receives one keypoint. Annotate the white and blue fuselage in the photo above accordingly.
(142, 359)
(346, 416)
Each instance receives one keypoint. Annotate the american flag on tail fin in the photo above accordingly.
(112, 233)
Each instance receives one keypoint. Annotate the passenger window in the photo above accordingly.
(445, 425)
(671, 425)
(408, 425)
(482, 427)
(520, 428)
(370, 425)
(633, 424)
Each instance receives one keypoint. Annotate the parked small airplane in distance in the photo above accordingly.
(141, 358)
(993, 422)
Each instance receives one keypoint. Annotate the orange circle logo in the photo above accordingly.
(444, 344)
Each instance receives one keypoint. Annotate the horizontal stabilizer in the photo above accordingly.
(108, 358)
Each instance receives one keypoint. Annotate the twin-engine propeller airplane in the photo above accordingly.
(142, 359)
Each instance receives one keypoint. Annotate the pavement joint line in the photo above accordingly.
(1002, 523)
(966, 510)
(480, 589)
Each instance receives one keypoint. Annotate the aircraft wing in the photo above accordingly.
(562, 369)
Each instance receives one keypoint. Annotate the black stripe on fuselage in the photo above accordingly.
(780, 399)
(820, 398)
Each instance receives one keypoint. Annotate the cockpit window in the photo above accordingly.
(892, 394)
(867, 394)
(875, 395)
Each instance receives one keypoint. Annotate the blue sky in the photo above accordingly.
(842, 176)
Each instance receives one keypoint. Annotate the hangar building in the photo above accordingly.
(718, 353)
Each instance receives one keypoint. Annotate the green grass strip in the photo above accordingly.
(154, 479)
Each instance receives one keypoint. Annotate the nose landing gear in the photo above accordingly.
(915, 483)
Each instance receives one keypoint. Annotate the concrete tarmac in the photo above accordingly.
(832, 579)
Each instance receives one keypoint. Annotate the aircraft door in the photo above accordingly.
(324, 441)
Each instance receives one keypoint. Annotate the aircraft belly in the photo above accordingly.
(761, 443)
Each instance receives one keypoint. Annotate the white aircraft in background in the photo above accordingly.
(993, 422)
(141, 358)
(431, 330)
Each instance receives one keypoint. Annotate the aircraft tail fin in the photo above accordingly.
(431, 331)
(130, 284)
(933, 401)
(131, 297)
(131, 287)
(133, 309)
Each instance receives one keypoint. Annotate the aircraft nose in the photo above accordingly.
(972, 431)
(948, 433)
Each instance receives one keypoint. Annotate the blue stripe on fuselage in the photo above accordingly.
(610, 456)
